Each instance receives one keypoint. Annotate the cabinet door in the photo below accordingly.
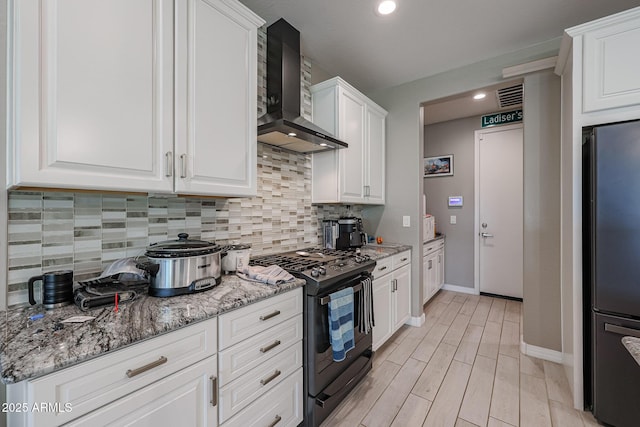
(431, 274)
(402, 296)
(440, 269)
(425, 279)
(91, 93)
(382, 310)
(352, 130)
(611, 73)
(182, 399)
(216, 127)
(375, 156)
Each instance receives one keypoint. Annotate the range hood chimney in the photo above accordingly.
(283, 126)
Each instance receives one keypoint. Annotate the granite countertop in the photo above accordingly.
(383, 250)
(30, 349)
(632, 345)
(438, 237)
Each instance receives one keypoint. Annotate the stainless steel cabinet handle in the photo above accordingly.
(270, 346)
(608, 327)
(270, 315)
(403, 259)
(486, 235)
(183, 165)
(214, 391)
(382, 268)
(270, 378)
(133, 372)
(276, 421)
(395, 285)
(168, 164)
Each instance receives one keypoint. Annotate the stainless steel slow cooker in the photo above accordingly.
(182, 266)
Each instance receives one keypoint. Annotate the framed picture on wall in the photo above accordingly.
(438, 166)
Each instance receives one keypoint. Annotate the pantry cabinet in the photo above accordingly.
(391, 296)
(355, 174)
(156, 96)
(432, 269)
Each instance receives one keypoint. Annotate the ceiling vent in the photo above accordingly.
(510, 96)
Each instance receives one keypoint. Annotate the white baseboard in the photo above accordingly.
(416, 321)
(457, 288)
(541, 352)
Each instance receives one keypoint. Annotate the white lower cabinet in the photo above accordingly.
(281, 406)
(152, 375)
(391, 296)
(186, 398)
(259, 363)
(432, 269)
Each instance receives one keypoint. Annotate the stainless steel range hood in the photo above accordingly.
(283, 126)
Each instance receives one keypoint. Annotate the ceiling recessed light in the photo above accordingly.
(292, 134)
(480, 95)
(386, 7)
(323, 144)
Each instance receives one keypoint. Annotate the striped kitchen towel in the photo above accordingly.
(341, 323)
(367, 319)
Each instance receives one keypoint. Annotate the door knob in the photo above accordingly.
(486, 235)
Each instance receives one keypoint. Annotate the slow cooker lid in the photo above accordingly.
(182, 247)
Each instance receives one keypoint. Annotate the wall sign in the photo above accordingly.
(502, 118)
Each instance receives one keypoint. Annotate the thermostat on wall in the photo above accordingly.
(455, 201)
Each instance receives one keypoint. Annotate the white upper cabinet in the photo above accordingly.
(216, 100)
(97, 99)
(605, 52)
(354, 174)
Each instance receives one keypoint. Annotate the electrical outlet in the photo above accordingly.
(406, 221)
(453, 219)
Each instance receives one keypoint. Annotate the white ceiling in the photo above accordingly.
(423, 37)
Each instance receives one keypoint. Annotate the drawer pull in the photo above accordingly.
(270, 346)
(133, 372)
(214, 391)
(276, 421)
(403, 259)
(270, 315)
(270, 378)
(382, 268)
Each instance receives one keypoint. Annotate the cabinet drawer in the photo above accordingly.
(432, 246)
(239, 359)
(241, 392)
(401, 259)
(181, 399)
(102, 380)
(283, 404)
(241, 324)
(383, 266)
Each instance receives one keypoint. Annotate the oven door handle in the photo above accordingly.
(325, 300)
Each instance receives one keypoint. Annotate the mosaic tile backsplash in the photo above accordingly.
(85, 232)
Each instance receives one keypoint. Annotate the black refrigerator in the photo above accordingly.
(611, 255)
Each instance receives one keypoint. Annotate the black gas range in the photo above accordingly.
(325, 271)
(321, 268)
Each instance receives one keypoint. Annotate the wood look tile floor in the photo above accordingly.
(462, 368)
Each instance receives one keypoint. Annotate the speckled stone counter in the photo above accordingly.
(33, 348)
(384, 250)
(438, 237)
(632, 345)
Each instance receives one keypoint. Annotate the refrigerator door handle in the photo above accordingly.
(608, 327)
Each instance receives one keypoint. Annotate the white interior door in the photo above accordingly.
(499, 208)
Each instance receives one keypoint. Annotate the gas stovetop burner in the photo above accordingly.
(320, 267)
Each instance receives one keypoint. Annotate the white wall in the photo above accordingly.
(405, 149)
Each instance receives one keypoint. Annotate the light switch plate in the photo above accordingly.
(406, 221)
(453, 219)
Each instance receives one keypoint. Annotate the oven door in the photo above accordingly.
(322, 370)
